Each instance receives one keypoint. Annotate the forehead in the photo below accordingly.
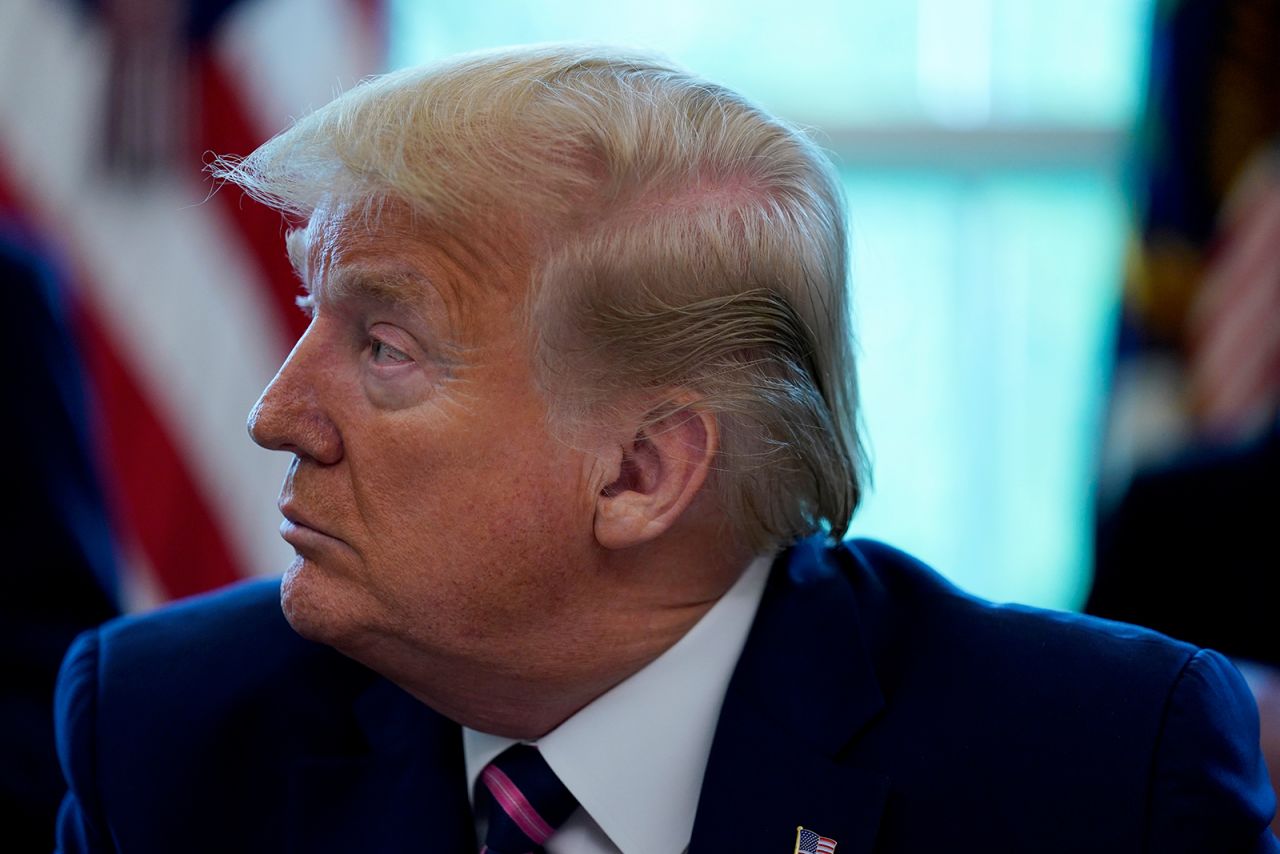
(392, 255)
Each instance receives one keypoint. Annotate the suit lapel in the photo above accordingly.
(802, 691)
(399, 787)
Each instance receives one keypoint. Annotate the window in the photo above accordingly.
(980, 143)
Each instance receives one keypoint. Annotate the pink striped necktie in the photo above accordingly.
(526, 801)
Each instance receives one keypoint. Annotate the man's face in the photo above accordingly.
(432, 511)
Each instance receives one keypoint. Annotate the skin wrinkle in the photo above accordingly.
(391, 280)
(585, 142)
(464, 520)
(396, 284)
(525, 191)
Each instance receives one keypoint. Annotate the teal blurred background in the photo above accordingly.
(982, 146)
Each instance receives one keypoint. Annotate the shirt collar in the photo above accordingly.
(635, 756)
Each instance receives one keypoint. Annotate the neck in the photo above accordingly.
(638, 606)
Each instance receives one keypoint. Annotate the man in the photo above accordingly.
(573, 449)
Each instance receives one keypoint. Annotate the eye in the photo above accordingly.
(385, 354)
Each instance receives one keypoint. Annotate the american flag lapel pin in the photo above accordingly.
(808, 842)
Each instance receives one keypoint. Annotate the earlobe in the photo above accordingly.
(657, 476)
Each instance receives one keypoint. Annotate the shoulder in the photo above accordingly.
(1209, 789)
(1141, 737)
(252, 607)
(223, 630)
(186, 666)
(200, 699)
(226, 640)
(904, 602)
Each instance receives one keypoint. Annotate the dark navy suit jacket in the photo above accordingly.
(873, 703)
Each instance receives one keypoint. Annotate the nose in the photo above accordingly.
(290, 415)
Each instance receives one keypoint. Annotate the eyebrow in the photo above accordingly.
(393, 285)
(295, 245)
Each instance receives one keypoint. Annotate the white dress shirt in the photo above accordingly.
(634, 757)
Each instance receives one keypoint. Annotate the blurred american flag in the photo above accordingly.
(183, 301)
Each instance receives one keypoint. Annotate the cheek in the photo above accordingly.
(417, 473)
(473, 522)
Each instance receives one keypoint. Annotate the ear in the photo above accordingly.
(657, 475)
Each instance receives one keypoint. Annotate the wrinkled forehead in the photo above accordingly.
(385, 250)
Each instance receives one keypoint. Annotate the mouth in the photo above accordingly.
(299, 531)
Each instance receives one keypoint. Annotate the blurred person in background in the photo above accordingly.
(573, 448)
(1187, 545)
(59, 577)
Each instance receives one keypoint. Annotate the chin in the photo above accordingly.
(318, 606)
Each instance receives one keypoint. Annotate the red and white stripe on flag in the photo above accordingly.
(1235, 321)
(809, 842)
(184, 301)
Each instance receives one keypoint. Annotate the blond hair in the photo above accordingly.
(686, 241)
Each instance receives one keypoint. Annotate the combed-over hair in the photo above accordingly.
(684, 241)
